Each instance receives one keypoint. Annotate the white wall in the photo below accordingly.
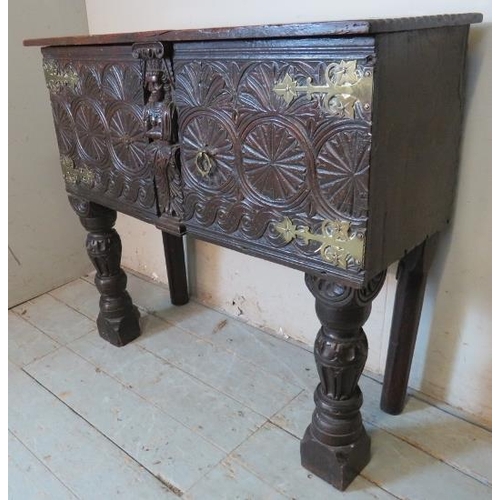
(46, 241)
(453, 353)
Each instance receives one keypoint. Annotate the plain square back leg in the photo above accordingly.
(412, 277)
(176, 268)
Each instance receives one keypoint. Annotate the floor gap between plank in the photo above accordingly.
(423, 450)
(158, 407)
(177, 491)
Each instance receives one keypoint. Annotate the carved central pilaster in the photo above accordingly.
(160, 127)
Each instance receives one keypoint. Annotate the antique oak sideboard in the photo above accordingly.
(331, 148)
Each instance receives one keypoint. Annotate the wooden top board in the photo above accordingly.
(329, 28)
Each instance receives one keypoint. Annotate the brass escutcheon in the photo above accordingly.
(204, 163)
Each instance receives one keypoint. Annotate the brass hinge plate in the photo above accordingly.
(58, 78)
(346, 83)
(339, 242)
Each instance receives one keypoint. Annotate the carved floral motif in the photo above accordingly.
(274, 162)
(64, 125)
(91, 131)
(127, 137)
(342, 170)
(277, 159)
(207, 134)
(98, 122)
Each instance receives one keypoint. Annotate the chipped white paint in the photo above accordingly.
(27, 343)
(29, 478)
(187, 428)
(87, 462)
(163, 445)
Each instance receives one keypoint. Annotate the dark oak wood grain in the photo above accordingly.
(271, 159)
(335, 446)
(327, 147)
(417, 127)
(118, 319)
(176, 268)
(332, 28)
(412, 277)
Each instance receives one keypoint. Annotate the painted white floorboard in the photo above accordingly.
(230, 481)
(218, 367)
(83, 459)
(457, 442)
(408, 472)
(55, 318)
(283, 359)
(27, 343)
(163, 445)
(80, 295)
(398, 467)
(29, 479)
(273, 455)
(210, 413)
(187, 405)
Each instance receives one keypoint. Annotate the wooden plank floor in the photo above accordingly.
(201, 406)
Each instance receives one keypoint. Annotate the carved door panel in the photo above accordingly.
(275, 147)
(100, 104)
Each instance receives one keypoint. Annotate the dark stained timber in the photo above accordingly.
(176, 268)
(118, 320)
(335, 446)
(412, 277)
(330, 147)
(333, 28)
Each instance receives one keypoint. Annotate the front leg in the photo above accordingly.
(335, 446)
(118, 319)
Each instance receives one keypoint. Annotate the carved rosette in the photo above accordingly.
(208, 152)
(64, 125)
(342, 169)
(279, 159)
(275, 160)
(90, 125)
(127, 137)
(98, 122)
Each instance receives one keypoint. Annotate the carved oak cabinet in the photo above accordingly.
(331, 148)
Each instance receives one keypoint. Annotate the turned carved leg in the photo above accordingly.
(335, 446)
(412, 276)
(118, 319)
(176, 268)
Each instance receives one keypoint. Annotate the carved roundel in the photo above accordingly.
(91, 131)
(128, 141)
(208, 154)
(64, 125)
(342, 168)
(275, 160)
